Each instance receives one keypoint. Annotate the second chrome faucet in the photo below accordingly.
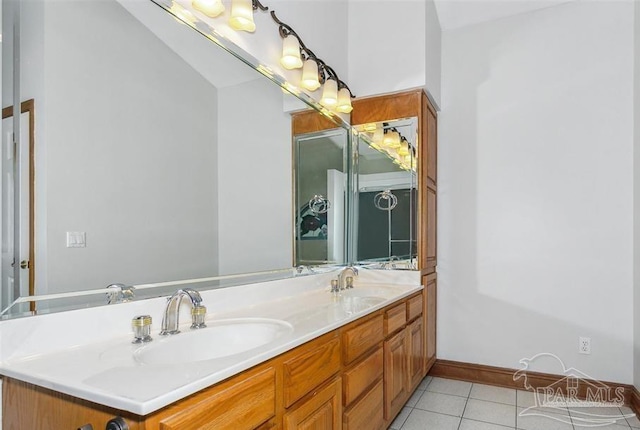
(171, 317)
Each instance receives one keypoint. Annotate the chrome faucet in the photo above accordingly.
(345, 281)
(170, 319)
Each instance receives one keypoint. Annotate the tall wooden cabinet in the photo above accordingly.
(406, 104)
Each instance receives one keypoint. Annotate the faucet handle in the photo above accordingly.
(349, 282)
(198, 314)
(141, 325)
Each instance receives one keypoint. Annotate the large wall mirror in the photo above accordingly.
(157, 156)
(386, 197)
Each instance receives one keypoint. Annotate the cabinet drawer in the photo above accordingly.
(362, 376)
(367, 413)
(414, 307)
(395, 318)
(359, 339)
(308, 369)
(244, 405)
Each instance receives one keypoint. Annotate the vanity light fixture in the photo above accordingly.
(330, 93)
(344, 101)
(336, 95)
(211, 8)
(310, 79)
(182, 15)
(291, 53)
(391, 142)
(242, 14)
(391, 138)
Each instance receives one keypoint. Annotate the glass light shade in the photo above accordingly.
(330, 93)
(211, 8)
(378, 136)
(182, 13)
(310, 75)
(392, 139)
(404, 148)
(242, 16)
(344, 101)
(291, 53)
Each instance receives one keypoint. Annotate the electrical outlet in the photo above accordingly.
(584, 345)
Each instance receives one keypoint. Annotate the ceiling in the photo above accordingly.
(461, 13)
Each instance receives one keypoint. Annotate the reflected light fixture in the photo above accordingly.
(242, 14)
(183, 15)
(291, 53)
(403, 150)
(391, 139)
(211, 8)
(336, 94)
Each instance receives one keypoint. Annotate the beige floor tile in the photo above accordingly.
(478, 425)
(442, 403)
(421, 420)
(450, 386)
(490, 412)
(493, 394)
(400, 419)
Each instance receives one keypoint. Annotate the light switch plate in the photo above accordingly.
(76, 239)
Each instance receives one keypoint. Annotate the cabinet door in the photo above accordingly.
(416, 354)
(430, 288)
(322, 411)
(396, 373)
(366, 413)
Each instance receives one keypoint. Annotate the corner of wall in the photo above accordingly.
(636, 195)
(433, 54)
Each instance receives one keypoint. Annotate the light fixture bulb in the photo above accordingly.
(211, 8)
(330, 93)
(404, 148)
(344, 101)
(392, 139)
(310, 75)
(182, 14)
(291, 53)
(378, 136)
(242, 16)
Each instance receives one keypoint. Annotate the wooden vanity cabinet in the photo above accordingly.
(407, 104)
(403, 354)
(356, 377)
(363, 359)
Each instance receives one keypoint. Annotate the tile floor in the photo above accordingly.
(445, 404)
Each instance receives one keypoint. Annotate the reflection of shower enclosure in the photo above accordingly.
(320, 187)
(384, 230)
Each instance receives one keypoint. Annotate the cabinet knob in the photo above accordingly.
(117, 423)
(86, 427)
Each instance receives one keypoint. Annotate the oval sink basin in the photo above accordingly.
(219, 339)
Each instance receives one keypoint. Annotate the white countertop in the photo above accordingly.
(97, 363)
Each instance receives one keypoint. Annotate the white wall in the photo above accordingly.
(387, 45)
(535, 189)
(130, 128)
(433, 57)
(636, 197)
(254, 170)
